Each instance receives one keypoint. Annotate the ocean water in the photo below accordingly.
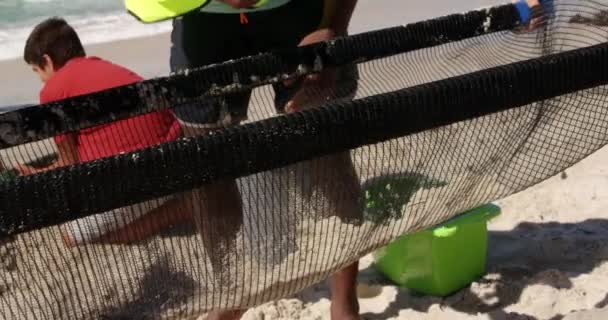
(95, 21)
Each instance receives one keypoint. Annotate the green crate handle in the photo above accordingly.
(480, 214)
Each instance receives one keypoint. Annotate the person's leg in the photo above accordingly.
(344, 302)
(342, 188)
(218, 216)
(262, 34)
(337, 179)
(343, 191)
(225, 315)
(199, 40)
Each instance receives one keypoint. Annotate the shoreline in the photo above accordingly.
(148, 56)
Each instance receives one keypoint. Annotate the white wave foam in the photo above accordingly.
(92, 30)
(37, 1)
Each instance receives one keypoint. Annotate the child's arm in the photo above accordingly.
(67, 155)
(67, 144)
(536, 12)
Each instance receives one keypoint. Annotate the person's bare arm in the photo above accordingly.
(337, 15)
(335, 22)
(67, 154)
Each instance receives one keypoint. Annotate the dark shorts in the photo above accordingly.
(200, 39)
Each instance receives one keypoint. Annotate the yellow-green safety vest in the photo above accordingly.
(216, 6)
(159, 10)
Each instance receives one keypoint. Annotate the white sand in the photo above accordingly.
(547, 259)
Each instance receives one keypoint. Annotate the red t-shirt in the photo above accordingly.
(87, 75)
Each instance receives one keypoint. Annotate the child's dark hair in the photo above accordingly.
(55, 38)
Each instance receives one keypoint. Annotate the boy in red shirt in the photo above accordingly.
(55, 53)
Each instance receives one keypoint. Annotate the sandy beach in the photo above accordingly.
(547, 254)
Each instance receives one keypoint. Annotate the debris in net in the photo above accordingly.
(599, 19)
(487, 23)
(386, 197)
(8, 251)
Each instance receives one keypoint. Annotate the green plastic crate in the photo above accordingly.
(441, 260)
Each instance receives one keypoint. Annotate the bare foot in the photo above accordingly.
(344, 303)
(225, 315)
(345, 311)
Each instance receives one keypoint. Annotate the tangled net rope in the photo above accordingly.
(445, 115)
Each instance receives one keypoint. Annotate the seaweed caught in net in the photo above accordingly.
(444, 115)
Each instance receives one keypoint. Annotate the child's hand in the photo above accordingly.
(532, 3)
(537, 14)
(536, 18)
(25, 170)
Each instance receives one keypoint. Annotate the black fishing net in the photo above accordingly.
(409, 127)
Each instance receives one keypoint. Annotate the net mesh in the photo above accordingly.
(416, 125)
